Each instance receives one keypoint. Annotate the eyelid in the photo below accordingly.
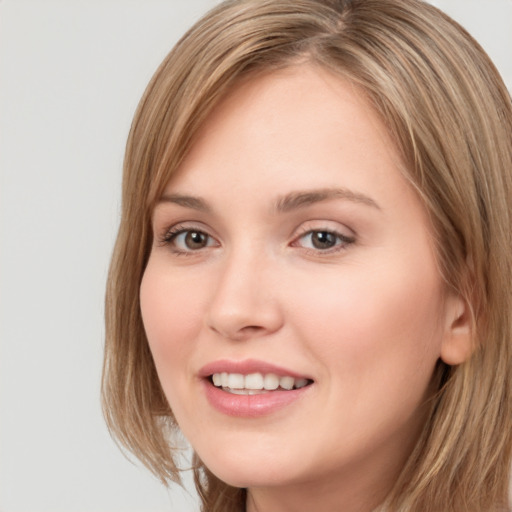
(311, 227)
(164, 230)
(168, 235)
(324, 225)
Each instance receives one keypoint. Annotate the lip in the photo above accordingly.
(249, 406)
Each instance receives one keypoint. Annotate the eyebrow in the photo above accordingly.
(195, 203)
(302, 199)
(286, 203)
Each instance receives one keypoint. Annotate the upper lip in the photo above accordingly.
(246, 367)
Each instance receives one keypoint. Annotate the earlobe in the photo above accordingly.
(457, 345)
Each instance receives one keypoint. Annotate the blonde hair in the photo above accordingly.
(450, 116)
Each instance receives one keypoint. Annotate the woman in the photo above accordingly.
(312, 274)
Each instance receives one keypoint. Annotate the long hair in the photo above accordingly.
(450, 117)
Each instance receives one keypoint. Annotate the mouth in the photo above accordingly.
(252, 388)
(256, 383)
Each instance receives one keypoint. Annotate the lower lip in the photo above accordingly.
(251, 406)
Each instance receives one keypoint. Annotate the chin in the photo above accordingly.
(249, 478)
(239, 471)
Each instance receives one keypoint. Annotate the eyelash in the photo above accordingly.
(341, 240)
(170, 236)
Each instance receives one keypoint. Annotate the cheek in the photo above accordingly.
(369, 320)
(170, 312)
(377, 339)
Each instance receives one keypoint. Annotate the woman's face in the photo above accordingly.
(289, 252)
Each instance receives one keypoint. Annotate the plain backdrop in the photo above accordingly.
(71, 74)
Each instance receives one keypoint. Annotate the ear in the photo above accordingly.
(457, 345)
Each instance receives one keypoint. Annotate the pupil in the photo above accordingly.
(195, 240)
(323, 240)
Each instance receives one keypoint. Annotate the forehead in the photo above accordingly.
(298, 121)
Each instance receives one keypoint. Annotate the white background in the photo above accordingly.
(71, 74)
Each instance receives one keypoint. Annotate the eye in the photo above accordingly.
(184, 240)
(323, 240)
(192, 240)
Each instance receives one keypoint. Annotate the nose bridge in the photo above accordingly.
(244, 302)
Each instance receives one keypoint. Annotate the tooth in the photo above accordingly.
(236, 381)
(300, 383)
(271, 381)
(254, 381)
(286, 382)
(237, 391)
(245, 391)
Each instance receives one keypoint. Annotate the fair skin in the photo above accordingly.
(289, 243)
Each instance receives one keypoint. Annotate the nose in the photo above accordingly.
(244, 304)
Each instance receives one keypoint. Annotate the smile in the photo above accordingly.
(252, 388)
(256, 383)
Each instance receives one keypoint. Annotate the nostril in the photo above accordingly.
(252, 328)
(241, 333)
